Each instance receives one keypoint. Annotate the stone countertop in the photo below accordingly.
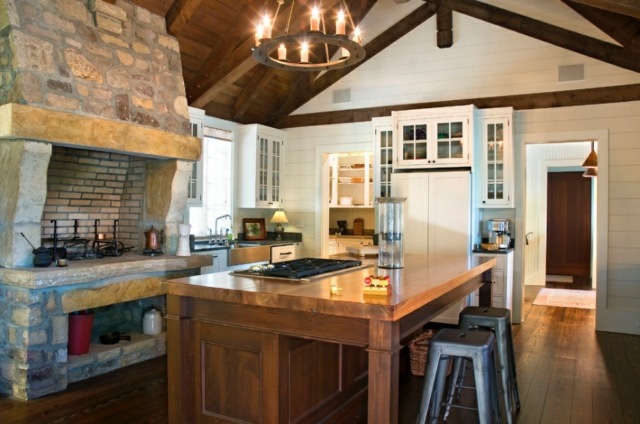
(84, 271)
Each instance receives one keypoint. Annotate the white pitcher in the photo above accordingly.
(183, 240)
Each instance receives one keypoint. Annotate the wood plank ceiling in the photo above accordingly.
(221, 77)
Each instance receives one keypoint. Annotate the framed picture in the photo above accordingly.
(254, 228)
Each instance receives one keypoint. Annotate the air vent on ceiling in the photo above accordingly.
(342, 96)
(567, 73)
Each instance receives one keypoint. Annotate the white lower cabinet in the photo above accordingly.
(338, 245)
(219, 261)
(501, 279)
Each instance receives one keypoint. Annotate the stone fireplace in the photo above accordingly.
(94, 124)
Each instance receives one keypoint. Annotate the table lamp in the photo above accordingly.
(279, 218)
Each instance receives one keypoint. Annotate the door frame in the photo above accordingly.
(322, 182)
(605, 319)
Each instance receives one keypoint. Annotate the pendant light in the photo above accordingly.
(592, 160)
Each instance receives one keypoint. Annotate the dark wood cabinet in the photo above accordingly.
(234, 378)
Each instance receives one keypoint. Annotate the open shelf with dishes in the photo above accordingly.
(351, 180)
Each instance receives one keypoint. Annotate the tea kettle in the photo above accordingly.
(152, 241)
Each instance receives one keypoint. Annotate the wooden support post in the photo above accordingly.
(445, 27)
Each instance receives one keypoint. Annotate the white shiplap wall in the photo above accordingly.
(484, 61)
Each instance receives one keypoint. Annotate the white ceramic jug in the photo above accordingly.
(183, 240)
(152, 322)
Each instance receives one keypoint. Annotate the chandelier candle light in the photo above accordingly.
(340, 49)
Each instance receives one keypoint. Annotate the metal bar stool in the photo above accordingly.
(479, 348)
(497, 320)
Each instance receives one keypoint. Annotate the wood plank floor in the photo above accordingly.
(567, 373)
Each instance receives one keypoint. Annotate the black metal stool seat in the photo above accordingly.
(499, 321)
(479, 348)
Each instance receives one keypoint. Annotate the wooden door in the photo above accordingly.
(568, 224)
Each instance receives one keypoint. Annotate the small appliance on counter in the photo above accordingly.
(499, 232)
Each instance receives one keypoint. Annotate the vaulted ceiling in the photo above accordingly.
(221, 76)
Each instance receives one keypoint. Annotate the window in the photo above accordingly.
(217, 169)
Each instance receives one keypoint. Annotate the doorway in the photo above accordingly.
(569, 233)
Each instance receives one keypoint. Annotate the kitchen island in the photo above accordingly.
(252, 349)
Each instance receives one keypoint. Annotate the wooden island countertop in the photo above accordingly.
(306, 310)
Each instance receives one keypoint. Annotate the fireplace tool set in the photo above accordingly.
(100, 247)
(108, 247)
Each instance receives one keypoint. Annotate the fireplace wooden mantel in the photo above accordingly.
(22, 122)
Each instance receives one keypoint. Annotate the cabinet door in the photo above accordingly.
(413, 147)
(194, 190)
(383, 156)
(496, 165)
(260, 166)
(432, 138)
(437, 211)
(452, 141)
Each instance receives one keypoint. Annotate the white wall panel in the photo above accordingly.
(484, 61)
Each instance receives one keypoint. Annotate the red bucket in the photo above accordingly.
(80, 324)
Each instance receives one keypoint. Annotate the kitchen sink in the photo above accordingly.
(248, 253)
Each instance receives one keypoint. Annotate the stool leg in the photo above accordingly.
(456, 378)
(438, 390)
(512, 361)
(482, 371)
(429, 383)
(504, 368)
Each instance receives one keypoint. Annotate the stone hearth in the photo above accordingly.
(98, 80)
(34, 307)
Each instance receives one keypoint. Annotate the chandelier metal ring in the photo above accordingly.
(264, 52)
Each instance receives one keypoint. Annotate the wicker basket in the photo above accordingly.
(418, 350)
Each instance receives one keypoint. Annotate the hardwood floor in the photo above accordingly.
(567, 373)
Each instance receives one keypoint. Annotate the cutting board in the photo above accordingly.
(358, 227)
(363, 250)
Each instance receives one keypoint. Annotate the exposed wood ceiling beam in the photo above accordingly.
(262, 77)
(226, 65)
(591, 47)
(623, 29)
(304, 83)
(444, 24)
(616, 94)
(307, 90)
(179, 15)
(623, 7)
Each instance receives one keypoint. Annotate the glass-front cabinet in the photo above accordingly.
(260, 167)
(382, 156)
(194, 188)
(430, 138)
(496, 159)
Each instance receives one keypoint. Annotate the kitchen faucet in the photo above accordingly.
(216, 223)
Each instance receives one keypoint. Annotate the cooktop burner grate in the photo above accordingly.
(303, 268)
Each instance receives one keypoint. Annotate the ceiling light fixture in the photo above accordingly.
(592, 160)
(312, 49)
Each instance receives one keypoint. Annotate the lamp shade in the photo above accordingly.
(279, 218)
(592, 160)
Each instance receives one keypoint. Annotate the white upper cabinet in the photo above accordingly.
(194, 191)
(382, 156)
(434, 138)
(260, 167)
(495, 159)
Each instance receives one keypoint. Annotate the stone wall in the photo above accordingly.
(86, 185)
(92, 58)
